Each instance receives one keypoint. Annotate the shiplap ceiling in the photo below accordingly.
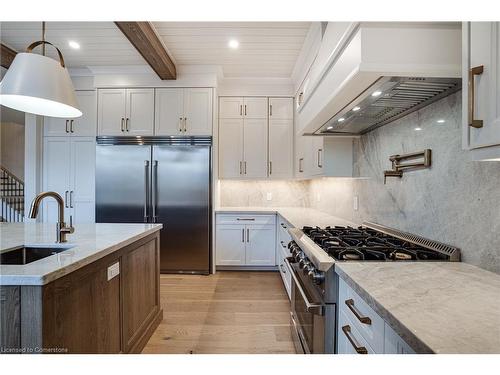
(267, 49)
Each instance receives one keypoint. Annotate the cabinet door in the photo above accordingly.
(56, 174)
(140, 112)
(280, 148)
(302, 145)
(111, 104)
(255, 108)
(316, 156)
(82, 188)
(86, 125)
(230, 107)
(198, 111)
(141, 295)
(260, 245)
(169, 111)
(55, 126)
(280, 109)
(484, 47)
(230, 245)
(231, 148)
(255, 148)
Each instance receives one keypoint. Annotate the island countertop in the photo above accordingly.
(436, 307)
(89, 243)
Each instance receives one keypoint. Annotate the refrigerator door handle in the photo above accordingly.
(154, 203)
(147, 189)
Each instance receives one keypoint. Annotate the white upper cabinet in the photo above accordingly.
(280, 109)
(230, 107)
(86, 125)
(183, 111)
(481, 89)
(255, 148)
(255, 108)
(281, 148)
(198, 111)
(169, 111)
(231, 148)
(139, 119)
(125, 111)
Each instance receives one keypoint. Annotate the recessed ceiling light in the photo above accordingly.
(74, 44)
(376, 93)
(341, 119)
(355, 109)
(418, 128)
(441, 121)
(233, 43)
(329, 128)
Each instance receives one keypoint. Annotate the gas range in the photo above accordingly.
(314, 251)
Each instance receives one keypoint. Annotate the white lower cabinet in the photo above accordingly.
(361, 330)
(245, 240)
(69, 169)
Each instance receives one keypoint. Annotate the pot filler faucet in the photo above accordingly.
(61, 227)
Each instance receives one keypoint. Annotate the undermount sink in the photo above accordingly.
(29, 254)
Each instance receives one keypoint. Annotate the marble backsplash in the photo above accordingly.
(254, 193)
(456, 201)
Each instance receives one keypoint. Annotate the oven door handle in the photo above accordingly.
(315, 308)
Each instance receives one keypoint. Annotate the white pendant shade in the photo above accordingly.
(40, 85)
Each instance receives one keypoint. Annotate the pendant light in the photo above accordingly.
(38, 84)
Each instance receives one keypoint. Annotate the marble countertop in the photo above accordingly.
(89, 243)
(296, 216)
(437, 307)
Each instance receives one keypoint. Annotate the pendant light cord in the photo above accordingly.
(43, 37)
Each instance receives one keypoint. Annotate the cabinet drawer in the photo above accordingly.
(357, 310)
(349, 337)
(245, 219)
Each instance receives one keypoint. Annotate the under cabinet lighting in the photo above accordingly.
(329, 128)
(418, 128)
(356, 109)
(341, 119)
(441, 121)
(377, 93)
(233, 43)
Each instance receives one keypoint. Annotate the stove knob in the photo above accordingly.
(317, 277)
(303, 261)
(308, 267)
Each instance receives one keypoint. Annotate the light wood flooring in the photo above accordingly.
(229, 312)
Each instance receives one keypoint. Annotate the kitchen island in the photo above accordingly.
(98, 293)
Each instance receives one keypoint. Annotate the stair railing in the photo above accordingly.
(11, 197)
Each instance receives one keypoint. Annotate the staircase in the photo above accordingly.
(11, 197)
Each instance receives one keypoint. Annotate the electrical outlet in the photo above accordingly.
(113, 270)
(269, 196)
(355, 203)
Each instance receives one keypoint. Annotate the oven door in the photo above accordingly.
(307, 316)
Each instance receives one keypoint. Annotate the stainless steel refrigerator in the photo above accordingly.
(160, 180)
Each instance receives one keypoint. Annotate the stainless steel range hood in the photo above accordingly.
(388, 99)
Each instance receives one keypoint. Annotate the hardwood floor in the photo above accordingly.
(229, 312)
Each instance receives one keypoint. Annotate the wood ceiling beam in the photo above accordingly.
(145, 40)
(7, 55)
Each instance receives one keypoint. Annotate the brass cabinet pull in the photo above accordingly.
(122, 124)
(71, 126)
(67, 126)
(477, 70)
(300, 165)
(347, 333)
(361, 318)
(245, 109)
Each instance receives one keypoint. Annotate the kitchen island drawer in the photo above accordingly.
(350, 340)
(364, 319)
(245, 218)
